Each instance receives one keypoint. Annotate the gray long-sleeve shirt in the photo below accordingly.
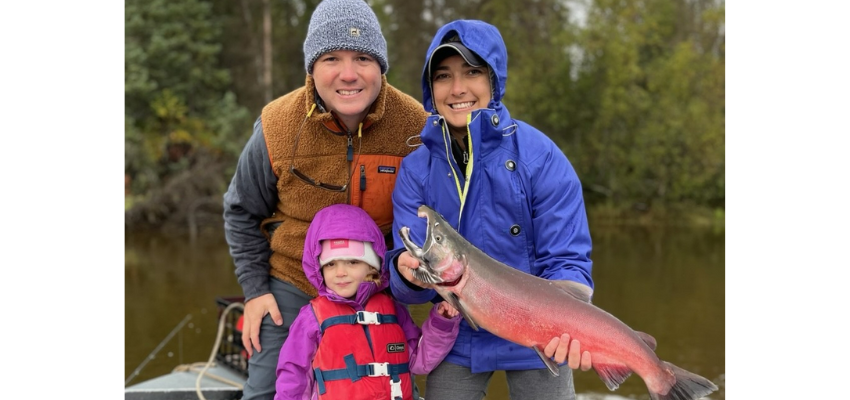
(249, 200)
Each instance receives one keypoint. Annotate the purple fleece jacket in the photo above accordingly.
(295, 378)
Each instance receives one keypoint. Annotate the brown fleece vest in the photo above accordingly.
(321, 155)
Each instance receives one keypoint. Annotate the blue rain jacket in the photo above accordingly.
(522, 203)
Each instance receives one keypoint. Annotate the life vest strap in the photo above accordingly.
(361, 317)
(356, 371)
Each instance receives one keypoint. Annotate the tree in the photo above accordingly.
(179, 112)
(651, 115)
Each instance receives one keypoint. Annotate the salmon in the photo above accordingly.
(530, 311)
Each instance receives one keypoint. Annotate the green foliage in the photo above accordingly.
(137, 160)
(651, 123)
(172, 45)
(634, 92)
(538, 39)
(177, 98)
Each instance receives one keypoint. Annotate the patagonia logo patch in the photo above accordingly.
(386, 170)
(395, 348)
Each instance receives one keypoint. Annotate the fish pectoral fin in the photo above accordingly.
(553, 367)
(578, 290)
(612, 373)
(648, 339)
(456, 303)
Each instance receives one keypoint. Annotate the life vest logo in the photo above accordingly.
(386, 170)
(395, 348)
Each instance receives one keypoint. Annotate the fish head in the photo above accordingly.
(439, 258)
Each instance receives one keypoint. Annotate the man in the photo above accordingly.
(338, 139)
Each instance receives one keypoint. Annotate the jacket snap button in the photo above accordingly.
(515, 230)
(495, 120)
(510, 165)
(435, 122)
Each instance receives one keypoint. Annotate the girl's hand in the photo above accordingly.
(446, 310)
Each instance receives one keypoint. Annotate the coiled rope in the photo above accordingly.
(209, 362)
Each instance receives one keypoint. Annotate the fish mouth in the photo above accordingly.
(425, 272)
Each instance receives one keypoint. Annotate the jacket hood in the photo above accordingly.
(342, 221)
(483, 39)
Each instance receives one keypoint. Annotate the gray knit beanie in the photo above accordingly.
(344, 25)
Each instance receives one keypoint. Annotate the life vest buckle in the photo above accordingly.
(368, 318)
(378, 369)
(395, 389)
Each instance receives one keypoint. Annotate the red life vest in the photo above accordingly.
(361, 353)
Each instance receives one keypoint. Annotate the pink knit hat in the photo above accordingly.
(347, 249)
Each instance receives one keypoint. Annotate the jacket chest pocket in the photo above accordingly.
(372, 184)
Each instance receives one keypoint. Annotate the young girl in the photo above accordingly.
(354, 341)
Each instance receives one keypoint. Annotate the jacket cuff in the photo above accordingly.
(441, 323)
(255, 286)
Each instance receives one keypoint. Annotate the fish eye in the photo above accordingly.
(438, 238)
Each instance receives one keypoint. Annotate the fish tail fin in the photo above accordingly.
(687, 386)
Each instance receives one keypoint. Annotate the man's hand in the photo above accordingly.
(406, 265)
(558, 347)
(255, 310)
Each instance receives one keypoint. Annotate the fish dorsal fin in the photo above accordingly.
(553, 368)
(578, 290)
(648, 339)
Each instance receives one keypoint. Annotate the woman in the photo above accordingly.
(504, 186)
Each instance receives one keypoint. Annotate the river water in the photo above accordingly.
(668, 282)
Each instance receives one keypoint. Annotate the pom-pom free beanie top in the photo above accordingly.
(344, 25)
